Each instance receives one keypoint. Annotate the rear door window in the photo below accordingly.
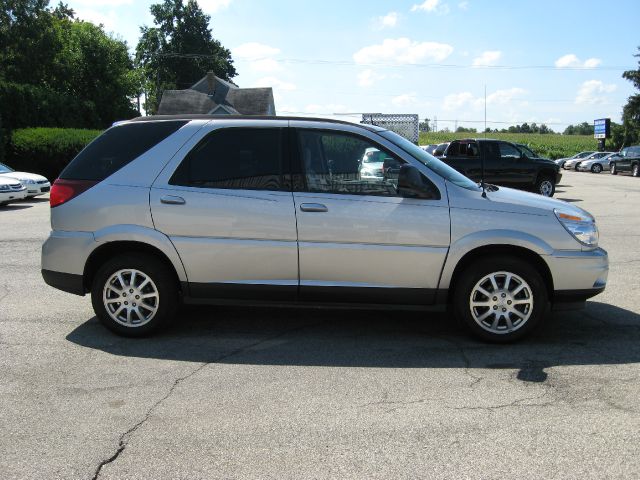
(235, 158)
(117, 147)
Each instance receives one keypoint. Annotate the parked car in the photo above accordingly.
(598, 164)
(36, 184)
(574, 163)
(218, 209)
(371, 163)
(504, 164)
(629, 161)
(439, 150)
(11, 190)
(561, 161)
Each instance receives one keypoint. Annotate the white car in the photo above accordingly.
(36, 184)
(11, 190)
(372, 163)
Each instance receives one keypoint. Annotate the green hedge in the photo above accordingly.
(46, 150)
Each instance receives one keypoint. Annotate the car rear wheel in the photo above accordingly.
(134, 294)
(545, 186)
(635, 170)
(500, 299)
(596, 168)
(613, 170)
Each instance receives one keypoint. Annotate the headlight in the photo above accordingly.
(27, 181)
(581, 226)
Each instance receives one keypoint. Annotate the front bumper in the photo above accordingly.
(12, 195)
(578, 275)
(558, 178)
(38, 189)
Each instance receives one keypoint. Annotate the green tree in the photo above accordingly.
(631, 111)
(179, 50)
(52, 50)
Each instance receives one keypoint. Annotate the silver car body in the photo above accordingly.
(400, 247)
(572, 164)
(587, 165)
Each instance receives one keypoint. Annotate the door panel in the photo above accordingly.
(223, 207)
(370, 242)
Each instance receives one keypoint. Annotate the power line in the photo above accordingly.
(418, 65)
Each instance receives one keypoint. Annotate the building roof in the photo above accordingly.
(201, 98)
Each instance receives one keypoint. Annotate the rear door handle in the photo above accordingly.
(172, 200)
(313, 207)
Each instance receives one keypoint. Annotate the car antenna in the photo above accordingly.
(484, 191)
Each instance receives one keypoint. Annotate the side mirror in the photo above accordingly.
(411, 183)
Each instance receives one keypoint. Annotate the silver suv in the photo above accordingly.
(200, 209)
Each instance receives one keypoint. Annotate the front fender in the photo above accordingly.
(144, 235)
(489, 238)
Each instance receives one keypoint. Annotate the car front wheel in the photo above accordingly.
(545, 187)
(500, 299)
(613, 170)
(134, 294)
(596, 168)
(635, 171)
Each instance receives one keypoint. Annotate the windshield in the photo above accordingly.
(5, 169)
(431, 162)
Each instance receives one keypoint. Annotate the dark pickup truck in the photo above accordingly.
(504, 164)
(628, 160)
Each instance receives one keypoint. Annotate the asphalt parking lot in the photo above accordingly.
(300, 393)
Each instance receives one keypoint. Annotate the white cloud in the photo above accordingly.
(275, 83)
(259, 56)
(108, 19)
(402, 51)
(389, 20)
(501, 97)
(463, 5)
(456, 100)
(592, 62)
(325, 109)
(404, 100)
(431, 6)
(213, 6)
(490, 57)
(572, 61)
(593, 92)
(367, 78)
(103, 3)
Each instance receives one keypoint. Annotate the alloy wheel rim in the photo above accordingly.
(501, 302)
(545, 188)
(131, 298)
(597, 168)
(635, 171)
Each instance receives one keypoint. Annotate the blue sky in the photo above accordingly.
(555, 62)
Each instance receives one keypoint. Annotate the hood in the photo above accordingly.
(509, 200)
(24, 176)
(4, 180)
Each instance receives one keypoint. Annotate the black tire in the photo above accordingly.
(545, 186)
(635, 170)
(163, 280)
(613, 170)
(596, 168)
(466, 286)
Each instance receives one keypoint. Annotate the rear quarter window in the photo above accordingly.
(117, 147)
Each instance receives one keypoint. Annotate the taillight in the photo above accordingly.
(64, 190)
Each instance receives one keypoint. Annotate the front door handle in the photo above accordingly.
(172, 200)
(313, 207)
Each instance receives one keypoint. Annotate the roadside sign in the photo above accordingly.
(602, 128)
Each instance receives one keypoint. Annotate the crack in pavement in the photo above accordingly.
(126, 436)
(515, 403)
